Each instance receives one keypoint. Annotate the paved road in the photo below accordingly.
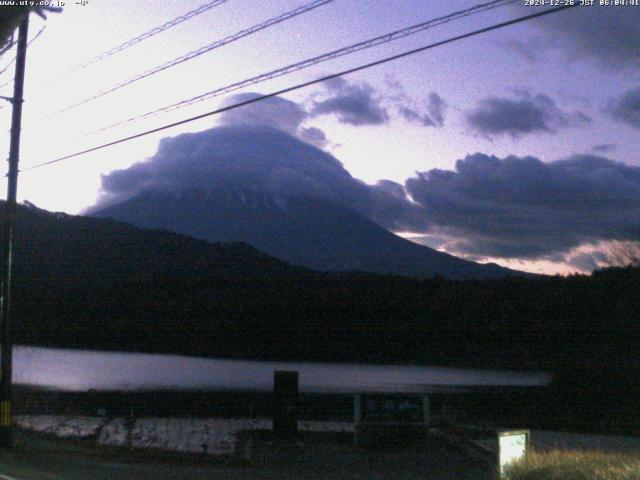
(39, 459)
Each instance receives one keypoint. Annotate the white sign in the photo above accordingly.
(512, 446)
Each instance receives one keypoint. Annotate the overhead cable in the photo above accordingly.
(145, 35)
(200, 51)
(373, 42)
(306, 84)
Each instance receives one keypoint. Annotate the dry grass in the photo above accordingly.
(575, 465)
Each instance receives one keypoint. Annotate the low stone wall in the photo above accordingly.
(213, 436)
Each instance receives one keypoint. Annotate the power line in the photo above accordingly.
(144, 36)
(306, 84)
(200, 51)
(8, 45)
(4, 69)
(8, 65)
(373, 42)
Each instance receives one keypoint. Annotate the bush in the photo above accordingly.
(574, 465)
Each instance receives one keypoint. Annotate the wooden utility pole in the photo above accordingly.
(6, 343)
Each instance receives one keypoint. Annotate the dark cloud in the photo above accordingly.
(433, 117)
(523, 115)
(236, 157)
(352, 104)
(273, 112)
(392, 208)
(626, 109)
(522, 207)
(604, 148)
(437, 108)
(313, 135)
(413, 116)
(243, 158)
(609, 35)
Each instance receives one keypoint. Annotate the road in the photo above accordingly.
(37, 458)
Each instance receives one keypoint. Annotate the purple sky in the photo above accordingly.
(521, 145)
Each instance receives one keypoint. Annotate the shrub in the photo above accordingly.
(576, 465)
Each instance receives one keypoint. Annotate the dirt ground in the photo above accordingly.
(310, 457)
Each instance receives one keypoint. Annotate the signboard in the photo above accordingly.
(392, 409)
(512, 446)
(390, 419)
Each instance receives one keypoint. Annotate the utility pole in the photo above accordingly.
(6, 343)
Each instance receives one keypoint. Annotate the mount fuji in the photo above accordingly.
(283, 196)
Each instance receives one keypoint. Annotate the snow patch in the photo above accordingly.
(214, 436)
(62, 425)
(114, 433)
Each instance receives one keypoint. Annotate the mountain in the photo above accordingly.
(302, 230)
(58, 247)
(286, 197)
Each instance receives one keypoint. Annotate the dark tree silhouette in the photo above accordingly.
(624, 253)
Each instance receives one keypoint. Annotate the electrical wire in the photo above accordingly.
(143, 36)
(10, 43)
(370, 43)
(308, 83)
(8, 65)
(200, 51)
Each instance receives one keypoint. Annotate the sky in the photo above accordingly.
(518, 146)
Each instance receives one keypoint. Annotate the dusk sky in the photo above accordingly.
(518, 146)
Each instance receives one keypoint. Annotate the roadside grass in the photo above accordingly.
(30, 444)
(576, 465)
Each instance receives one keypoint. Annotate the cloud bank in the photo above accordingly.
(433, 117)
(359, 104)
(526, 114)
(352, 104)
(522, 207)
(236, 158)
(275, 112)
